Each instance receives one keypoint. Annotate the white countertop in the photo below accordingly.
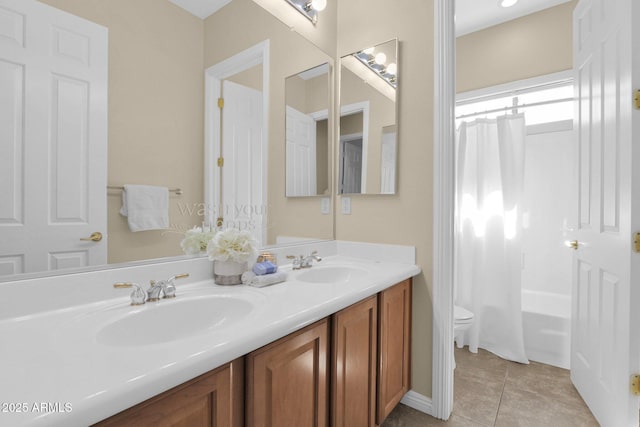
(54, 371)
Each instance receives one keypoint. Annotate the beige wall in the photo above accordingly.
(323, 34)
(251, 78)
(290, 54)
(530, 46)
(404, 218)
(155, 112)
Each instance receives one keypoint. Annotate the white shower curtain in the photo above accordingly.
(490, 172)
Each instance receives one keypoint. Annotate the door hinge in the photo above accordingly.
(220, 162)
(636, 242)
(221, 103)
(635, 385)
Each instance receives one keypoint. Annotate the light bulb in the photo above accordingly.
(392, 68)
(507, 3)
(368, 50)
(319, 5)
(380, 58)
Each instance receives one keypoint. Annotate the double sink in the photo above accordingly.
(197, 313)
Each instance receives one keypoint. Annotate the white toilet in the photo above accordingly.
(463, 319)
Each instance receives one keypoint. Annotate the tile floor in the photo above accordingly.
(489, 391)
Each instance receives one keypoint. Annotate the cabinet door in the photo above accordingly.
(394, 347)
(354, 339)
(213, 399)
(287, 380)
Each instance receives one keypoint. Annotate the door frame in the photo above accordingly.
(443, 208)
(255, 55)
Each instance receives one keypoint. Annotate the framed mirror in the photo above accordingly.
(367, 146)
(307, 130)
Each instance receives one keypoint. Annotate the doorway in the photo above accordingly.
(236, 144)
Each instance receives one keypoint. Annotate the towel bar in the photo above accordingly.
(178, 191)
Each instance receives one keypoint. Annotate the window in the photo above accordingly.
(543, 100)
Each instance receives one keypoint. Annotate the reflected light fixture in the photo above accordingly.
(309, 8)
(376, 64)
(507, 3)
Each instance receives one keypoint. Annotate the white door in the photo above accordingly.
(301, 154)
(53, 138)
(388, 163)
(606, 291)
(351, 182)
(243, 201)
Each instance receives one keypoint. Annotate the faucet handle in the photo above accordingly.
(138, 296)
(170, 287)
(296, 261)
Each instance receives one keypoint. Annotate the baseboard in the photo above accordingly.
(418, 402)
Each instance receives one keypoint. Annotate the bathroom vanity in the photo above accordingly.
(330, 346)
(351, 368)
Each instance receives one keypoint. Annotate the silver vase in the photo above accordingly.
(228, 272)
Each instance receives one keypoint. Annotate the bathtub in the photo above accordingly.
(546, 323)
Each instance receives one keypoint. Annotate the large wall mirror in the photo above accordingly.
(367, 150)
(157, 56)
(307, 132)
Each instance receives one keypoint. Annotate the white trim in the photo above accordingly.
(418, 401)
(320, 115)
(255, 55)
(521, 86)
(443, 208)
(347, 110)
(559, 126)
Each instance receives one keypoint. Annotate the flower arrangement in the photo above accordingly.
(232, 245)
(196, 240)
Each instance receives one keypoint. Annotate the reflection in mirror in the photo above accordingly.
(307, 132)
(154, 134)
(368, 114)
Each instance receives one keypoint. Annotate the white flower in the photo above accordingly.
(232, 245)
(196, 240)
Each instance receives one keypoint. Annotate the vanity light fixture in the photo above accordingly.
(507, 3)
(376, 63)
(309, 8)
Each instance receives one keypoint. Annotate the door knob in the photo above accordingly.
(96, 236)
(573, 244)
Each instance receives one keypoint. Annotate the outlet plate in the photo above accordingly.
(345, 203)
(325, 206)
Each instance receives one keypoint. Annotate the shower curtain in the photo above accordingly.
(488, 252)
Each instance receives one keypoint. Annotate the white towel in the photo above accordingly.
(250, 278)
(146, 207)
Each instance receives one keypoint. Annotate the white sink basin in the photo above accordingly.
(331, 274)
(170, 320)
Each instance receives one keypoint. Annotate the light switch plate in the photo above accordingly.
(346, 205)
(325, 206)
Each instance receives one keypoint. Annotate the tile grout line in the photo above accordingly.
(504, 383)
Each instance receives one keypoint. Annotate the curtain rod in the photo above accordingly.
(513, 107)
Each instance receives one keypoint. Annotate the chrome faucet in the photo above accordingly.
(164, 288)
(296, 261)
(138, 296)
(307, 261)
(302, 261)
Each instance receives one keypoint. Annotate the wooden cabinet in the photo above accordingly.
(213, 399)
(287, 380)
(354, 347)
(394, 349)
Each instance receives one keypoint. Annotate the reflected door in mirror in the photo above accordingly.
(307, 132)
(53, 142)
(243, 190)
